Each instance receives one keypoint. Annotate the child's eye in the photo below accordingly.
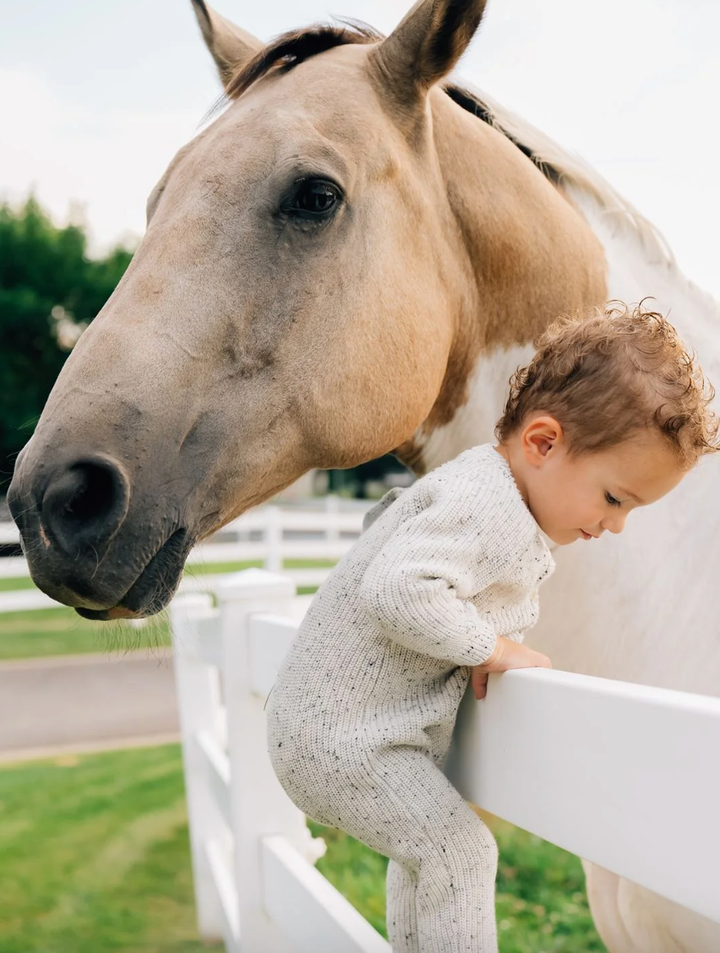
(611, 500)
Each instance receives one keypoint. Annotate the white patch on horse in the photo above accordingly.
(641, 608)
(475, 421)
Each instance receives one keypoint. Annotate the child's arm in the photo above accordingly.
(419, 586)
(508, 654)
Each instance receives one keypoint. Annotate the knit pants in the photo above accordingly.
(443, 859)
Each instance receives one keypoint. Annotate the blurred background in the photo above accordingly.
(94, 101)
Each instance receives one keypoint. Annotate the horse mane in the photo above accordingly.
(560, 166)
(571, 171)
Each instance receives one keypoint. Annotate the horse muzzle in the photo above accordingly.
(82, 549)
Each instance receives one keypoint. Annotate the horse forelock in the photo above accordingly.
(290, 49)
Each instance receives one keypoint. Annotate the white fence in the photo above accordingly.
(255, 883)
(286, 533)
(596, 766)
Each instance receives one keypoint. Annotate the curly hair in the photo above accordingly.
(611, 374)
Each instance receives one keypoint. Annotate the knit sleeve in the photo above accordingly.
(419, 586)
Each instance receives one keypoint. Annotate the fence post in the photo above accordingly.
(332, 508)
(258, 803)
(273, 540)
(197, 690)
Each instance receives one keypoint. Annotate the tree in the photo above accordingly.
(49, 291)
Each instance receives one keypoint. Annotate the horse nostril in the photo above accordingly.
(85, 503)
(90, 493)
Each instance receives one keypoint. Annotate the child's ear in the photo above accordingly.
(538, 438)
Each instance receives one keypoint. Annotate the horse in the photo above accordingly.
(351, 259)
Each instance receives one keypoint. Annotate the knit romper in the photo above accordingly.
(361, 715)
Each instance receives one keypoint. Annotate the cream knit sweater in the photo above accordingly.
(362, 712)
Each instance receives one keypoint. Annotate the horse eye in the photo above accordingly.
(316, 199)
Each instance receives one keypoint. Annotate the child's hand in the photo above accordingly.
(507, 654)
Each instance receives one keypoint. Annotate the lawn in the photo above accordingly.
(13, 585)
(94, 859)
(61, 631)
(94, 856)
(43, 632)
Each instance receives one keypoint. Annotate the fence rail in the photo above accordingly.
(600, 767)
(594, 765)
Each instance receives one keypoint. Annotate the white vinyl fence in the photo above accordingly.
(595, 766)
(255, 883)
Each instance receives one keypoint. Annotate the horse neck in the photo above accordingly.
(531, 256)
(640, 264)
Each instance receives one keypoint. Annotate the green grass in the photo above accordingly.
(13, 585)
(541, 903)
(62, 631)
(94, 858)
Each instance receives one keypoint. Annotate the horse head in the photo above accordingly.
(307, 294)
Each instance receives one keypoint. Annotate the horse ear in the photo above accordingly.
(230, 47)
(426, 45)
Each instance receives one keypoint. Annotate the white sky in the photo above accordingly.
(96, 97)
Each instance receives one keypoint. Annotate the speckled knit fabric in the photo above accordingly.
(362, 712)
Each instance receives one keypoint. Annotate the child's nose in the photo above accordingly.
(614, 523)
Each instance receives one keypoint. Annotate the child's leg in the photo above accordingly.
(401, 911)
(397, 801)
(451, 856)
(445, 858)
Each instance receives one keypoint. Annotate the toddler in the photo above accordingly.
(439, 590)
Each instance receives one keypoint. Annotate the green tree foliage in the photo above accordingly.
(48, 286)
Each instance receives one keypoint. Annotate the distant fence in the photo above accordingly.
(595, 766)
(267, 534)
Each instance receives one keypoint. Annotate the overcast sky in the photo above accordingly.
(96, 97)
